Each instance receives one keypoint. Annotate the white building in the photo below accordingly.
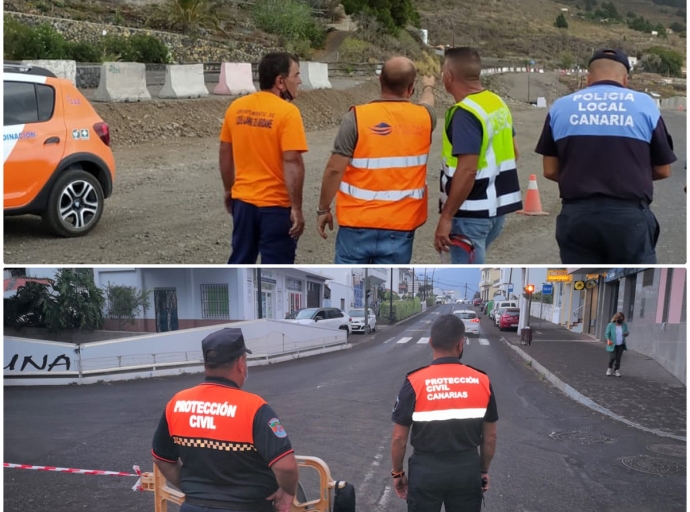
(346, 286)
(183, 298)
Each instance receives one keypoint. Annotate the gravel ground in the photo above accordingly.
(167, 206)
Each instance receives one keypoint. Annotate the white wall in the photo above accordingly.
(158, 354)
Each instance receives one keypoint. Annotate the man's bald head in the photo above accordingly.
(607, 69)
(463, 63)
(398, 76)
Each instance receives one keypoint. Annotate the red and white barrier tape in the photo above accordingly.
(137, 471)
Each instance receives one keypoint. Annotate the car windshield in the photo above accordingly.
(359, 313)
(304, 314)
(466, 316)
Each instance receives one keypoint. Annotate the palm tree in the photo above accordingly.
(190, 15)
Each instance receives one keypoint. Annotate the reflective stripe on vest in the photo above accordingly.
(446, 392)
(497, 153)
(392, 161)
(449, 414)
(381, 195)
(384, 186)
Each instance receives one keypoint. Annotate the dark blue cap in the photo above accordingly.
(615, 55)
(224, 346)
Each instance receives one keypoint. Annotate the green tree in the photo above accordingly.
(27, 308)
(77, 303)
(392, 15)
(561, 22)
(123, 303)
(677, 26)
(664, 61)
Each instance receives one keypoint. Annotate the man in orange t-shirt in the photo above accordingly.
(261, 146)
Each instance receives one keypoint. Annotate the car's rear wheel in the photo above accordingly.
(75, 204)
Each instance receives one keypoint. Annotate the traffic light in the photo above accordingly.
(529, 290)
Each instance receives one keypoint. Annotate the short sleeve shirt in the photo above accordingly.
(222, 469)
(453, 435)
(260, 127)
(465, 133)
(607, 139)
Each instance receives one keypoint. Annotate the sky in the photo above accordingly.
(453, 279)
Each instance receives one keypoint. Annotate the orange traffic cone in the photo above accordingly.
(532, 202)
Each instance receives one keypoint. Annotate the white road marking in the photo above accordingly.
(390, 339)
(483, 341)
(539, 332)
(423, 341)
(385, 497)
(372, 471)
(404, 340)
(467, 341)
(426, 321)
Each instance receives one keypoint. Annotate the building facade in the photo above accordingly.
(654, 304)
(184, 298)
(489, 284)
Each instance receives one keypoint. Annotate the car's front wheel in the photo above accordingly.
(75, 204)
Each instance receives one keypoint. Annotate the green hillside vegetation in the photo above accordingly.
(500, 29)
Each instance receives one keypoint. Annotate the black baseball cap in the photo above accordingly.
(615, 55)
(224, 346)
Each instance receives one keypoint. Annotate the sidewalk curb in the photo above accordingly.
(579, 397)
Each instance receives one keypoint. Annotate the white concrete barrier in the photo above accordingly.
(184, 81)
(541, 102)
(314, 76)
(235, 79)
(61, 68)
(34, 362)
(122, 82)
(675, 103)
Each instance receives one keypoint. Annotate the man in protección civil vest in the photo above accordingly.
(378, 171)
(223, 447)
(479, 181)
(451, 410)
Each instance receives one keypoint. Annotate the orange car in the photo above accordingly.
(57, 158)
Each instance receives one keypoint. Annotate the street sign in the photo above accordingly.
(510, 287)
(546, 289)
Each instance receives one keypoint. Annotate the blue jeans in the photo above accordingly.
(357, 246)
(481, 231)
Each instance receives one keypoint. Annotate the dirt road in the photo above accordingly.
(167, 207)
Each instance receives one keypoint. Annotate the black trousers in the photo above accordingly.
(603, 230)
(453, 480)
(616, 356)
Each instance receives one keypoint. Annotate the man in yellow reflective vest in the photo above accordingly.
(479, 180)
(378, 171)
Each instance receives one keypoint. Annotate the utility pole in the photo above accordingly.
(413, 294)
(390, 314)
(465, 291)
(366, 300)
(258, 293)
(424, 284)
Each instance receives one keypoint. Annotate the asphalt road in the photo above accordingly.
(337, 407)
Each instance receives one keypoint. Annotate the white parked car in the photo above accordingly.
(357, 316)
(470, 319)
(323, 317)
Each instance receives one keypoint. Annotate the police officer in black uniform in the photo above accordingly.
(223, 447)
(605, 145)
(451, 410)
